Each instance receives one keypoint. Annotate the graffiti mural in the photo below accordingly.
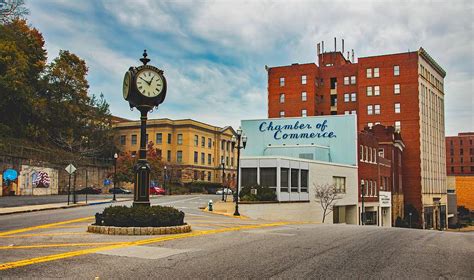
(38, 180)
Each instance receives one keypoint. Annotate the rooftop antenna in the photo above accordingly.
(335, 44)
(348, 55)
(343, 47)
(353, 61)
(323, 46)
(318, 48)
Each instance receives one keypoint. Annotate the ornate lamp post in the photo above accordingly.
(223, 178)
(144, 87)
(238, 142)
(362, 211)
(115, 175)
(164, 180)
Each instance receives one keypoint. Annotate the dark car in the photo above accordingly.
(119, 190)
(89, 190)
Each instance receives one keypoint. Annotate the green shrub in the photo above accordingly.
(141, 216)
(203, 187)
(264, 193)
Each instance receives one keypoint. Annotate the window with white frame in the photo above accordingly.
(339, 184)
(369, 152)
(282, 81)
(397, 108)
(353, 80)
(376, 123)
(347, 112)
(369, 91)
(381, 152)
(361, 153)
(370, 110)
(376, 73)
(346, 97)
(303, 79)
(377, 109)
(282, 114)
(369, 72)
(375, 154)
(370, 124)
(346, 80)
(376, 90)
(282, 98)
(303, 113)
(398, 125)
(353, 97)
(303, 96)
(396, 70)
(366, 153)
(396, 89)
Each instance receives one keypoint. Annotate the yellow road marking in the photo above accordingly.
(43, 259)
(57, 245)
(10, 232)
(44, 234)
(67, 227)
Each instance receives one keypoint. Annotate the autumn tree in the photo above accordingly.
(126, 164)
(11, 10)
(326, 195)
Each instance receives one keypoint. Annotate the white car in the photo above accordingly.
(226, 191)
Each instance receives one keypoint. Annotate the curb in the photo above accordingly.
(225, 214)
(59, 207)
(138, 230)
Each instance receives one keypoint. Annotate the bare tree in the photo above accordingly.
(326, 195)
(11, 9)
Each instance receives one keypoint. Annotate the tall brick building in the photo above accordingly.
(460, 154)
(403, 90)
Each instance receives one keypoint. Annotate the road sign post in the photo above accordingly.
(70, 169)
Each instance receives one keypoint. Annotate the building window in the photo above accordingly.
(169, 138)
(353, 112)
(452, 169)
(134, 139)
(333, 83)
(284, 173)
(196, 140)
(397, 108)
(295, 174)
(396, 70)
(396, 89)
(223, 145)
(196, 157)
(209, 175)
(353, 80)
(203, 158)
(376, 90)
(282, 114)
(282, 81)
(209, 142)
(303, 113)
(398, 126)
(370, 110)
(339, 184)
(377, 109)
(361, 153)
(232, 161)
(369, 91)
(304, 181)
(123, 139)
(376, 73)
(168, 155)
(346, 97)
(179, 156)
(227, 161)
(282, 98)
(353, 97)
(333, 100)
(209, 159)
(180, 139)
(370, 124)
(227, 145)
(346, 80)
(159, 138)
(461, 152)
(347, 113)
(369, 72)
(303, 96)
(381, 152)
(203, 141)
(303, 79)
(249, 177)
(268, 177)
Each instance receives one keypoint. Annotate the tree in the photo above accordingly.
(326, 195)
(11, 10)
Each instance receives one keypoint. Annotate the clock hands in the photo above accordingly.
(148, 82)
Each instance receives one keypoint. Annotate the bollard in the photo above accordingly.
(209, 205)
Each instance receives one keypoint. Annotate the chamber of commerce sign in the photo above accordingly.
(298, 130)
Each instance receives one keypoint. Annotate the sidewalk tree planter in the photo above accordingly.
(136, 216)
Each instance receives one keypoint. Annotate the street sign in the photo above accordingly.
(70, 168)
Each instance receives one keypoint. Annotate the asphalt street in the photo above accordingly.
(227, 248)
(13, 201)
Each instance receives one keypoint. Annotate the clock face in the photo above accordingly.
(149, 83)
(126, 84)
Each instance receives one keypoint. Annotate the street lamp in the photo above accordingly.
(238, 142)
(164, 181)
(223, 178)
(362, 184)
(409, 214)
(115, 175)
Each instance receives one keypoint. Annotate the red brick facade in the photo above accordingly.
(460, 154)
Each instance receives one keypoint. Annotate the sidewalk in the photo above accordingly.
(224, 208)
(51, 206)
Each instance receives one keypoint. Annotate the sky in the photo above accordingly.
(214, 53)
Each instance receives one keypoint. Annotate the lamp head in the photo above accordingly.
(362, 183)
(239, 131)
(115, 156)
(244, 140)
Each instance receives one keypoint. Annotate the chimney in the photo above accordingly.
(334, 44)
(318, 49)
(353, 61)
(343, 47)
(323, 47)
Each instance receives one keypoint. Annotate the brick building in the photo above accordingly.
(460, 154)
(403, 90)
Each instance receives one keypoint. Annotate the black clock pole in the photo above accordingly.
(142, 168)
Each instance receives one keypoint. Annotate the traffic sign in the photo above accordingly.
(70, 168)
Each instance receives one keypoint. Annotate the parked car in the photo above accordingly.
(89, 190)
(157, 190)
(119, 190)
(226, 191)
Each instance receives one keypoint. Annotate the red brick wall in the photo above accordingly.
(454, 159)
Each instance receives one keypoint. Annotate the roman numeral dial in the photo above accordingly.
(149, 83)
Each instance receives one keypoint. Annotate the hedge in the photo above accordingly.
(263, 193)
(140, 216)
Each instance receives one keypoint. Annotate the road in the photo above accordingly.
(12, 201)
(229, 248)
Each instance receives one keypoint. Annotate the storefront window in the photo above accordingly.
(249, 177)
(268, 177)
(304, 180)
(284, 179)
(294, 179)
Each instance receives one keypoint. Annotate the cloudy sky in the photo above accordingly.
(214, 52)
